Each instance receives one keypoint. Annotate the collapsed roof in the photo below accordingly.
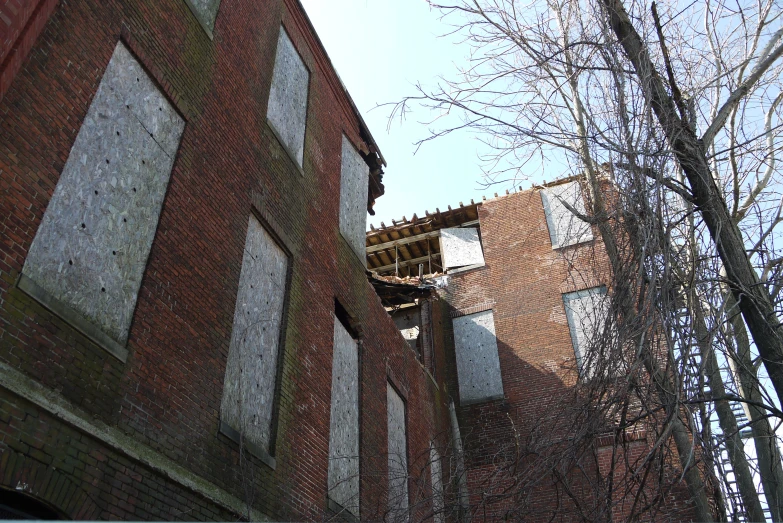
(394, 291)
(399, 249)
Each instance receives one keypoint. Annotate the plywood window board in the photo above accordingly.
(565, 228)
(354, 177)
(205, 12)
(251, 371)
(397, 455)
(586, 312)
(287, 106)
(91, 249)
(478, 365)
(460, 247)
(343, 471)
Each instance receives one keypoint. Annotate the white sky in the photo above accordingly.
(380, 49)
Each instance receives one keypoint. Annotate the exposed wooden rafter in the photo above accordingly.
(397, 249)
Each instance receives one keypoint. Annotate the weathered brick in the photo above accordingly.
(167, 395)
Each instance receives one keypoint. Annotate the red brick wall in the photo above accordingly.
(13, 17)
(167, 396)
(21, 22)
(527, 279)
(64, 468)
(524, 455)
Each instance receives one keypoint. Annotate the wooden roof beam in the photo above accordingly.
(405, 263)
(402, 241)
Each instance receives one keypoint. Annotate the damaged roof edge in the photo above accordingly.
(393, 292)
(374, 159)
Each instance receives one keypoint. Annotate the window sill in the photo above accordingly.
(574, 243)
(340, 513)
(489, 399)
(72, 318)
(254, 450)
(465, 269)
(288, 152)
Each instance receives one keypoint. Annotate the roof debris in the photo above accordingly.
(395, 291)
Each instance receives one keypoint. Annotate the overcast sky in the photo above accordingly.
(380, 49)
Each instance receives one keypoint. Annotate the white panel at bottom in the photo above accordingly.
(249, 385)
(586, 311)
(438, 503)
(478, 366)
(343, 475)
(398, 456)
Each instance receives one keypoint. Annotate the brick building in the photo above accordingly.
(521, 292)
(188, 329)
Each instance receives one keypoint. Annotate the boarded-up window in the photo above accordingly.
(287, 109)
(354, 176)
(91, 249)
(564, 227)
(249, 386)
(438, 502)
(398, 456)
(478, 366)
(205, 11)
(586, 311)
(343, 475)
(460, 247)
(408, 321)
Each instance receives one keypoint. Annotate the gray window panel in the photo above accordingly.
(343, 473)
(398, 456)
(460, 247)
(354, 177)
(586, 311)
(205, 11)
(287, 109)
(478, 365)
(92, 246)
(564, 227)
(251, 370)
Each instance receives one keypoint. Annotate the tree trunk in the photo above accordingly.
(683, 441)
(767, 451)
(665, 387)
(727, 420)
(753, 300)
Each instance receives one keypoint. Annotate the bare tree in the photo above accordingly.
(677, 105)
